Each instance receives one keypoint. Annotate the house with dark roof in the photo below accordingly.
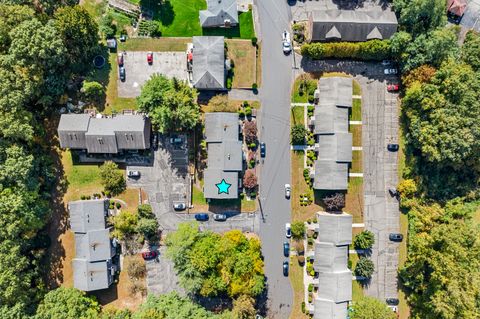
(219, 13)
(225, 156)
(104, 135)
(333, 140)
(334, 280)
(456, 7)
(93, 268)
(208, 63)
(352, 25)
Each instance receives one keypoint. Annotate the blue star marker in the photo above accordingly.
(223, 187)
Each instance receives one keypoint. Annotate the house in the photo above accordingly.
(208, 63)
(334, 280)
(333, 140)
(93, 268)
(225, 156)
(219, 13)
(351, 25)
(104, 135)
(456, 7)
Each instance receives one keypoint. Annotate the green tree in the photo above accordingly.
(170, 103)
(125, 224)
(298, 230)
(371, 308)
(112, 313)
(364, 240)
(364, 267)
(147, 227)
(145, 211)
(93, 91)
(112, 178)
(244, 307)
(79, 33)
(67, 303)
(421, 16)
(471, 50)
(298, 133)
(106, 27)
(407, 188)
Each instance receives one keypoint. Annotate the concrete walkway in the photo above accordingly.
(243, 95)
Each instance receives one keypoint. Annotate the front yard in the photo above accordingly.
(243, 54)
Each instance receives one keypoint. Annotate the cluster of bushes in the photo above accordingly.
(298, 133)
(306, 176)
(310, 270)
(230, 74)
(298, 32)
(142, 225)
(310, 139)
(311, 157)
(305, 199)
(310, 110)
(245, 110)
(112, 205)
(370, 50)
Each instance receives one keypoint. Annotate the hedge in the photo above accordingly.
(370, 50)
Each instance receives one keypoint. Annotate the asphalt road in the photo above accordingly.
(275, 132)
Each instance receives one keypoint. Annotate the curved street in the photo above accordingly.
(274, 17)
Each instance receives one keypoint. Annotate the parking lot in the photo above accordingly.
(166, 180)
(138, 71)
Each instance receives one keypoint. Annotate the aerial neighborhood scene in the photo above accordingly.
(240, 159)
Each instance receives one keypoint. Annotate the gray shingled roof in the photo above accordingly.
(335, 286)
(326, 309)
(221, 126)
(329, 257)
(215, 176)
(209, 63)
(334, 145)
(86, 215)
(217, 12)
(89, 276)
(104, 135)
(94, 245)
(353, 25)
(225, 154)
(334, 228)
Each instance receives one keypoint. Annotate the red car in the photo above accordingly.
(120, 59)
(393, 87)
(150, 57)
(147, 255)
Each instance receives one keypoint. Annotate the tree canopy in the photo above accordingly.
(67, 303)
(211, 264)
(364, 240)
(421, 16)
(371, 308)
(112, 178)
(170, 103)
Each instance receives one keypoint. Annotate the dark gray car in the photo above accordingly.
(395, 237)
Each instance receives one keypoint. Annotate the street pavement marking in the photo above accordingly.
(355, 174)
(358, 225)
(357, 148)
(355, 122)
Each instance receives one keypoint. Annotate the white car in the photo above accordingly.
(288, 190)
(390, 71)
(286, 43)
(288, 231)
(133, 174)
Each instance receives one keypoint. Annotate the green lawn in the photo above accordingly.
(357, 89)
(297, 116)
(178, 18)
(198, 200)
(244, 30)
(354, 199)
(356, 114)
(298, 97)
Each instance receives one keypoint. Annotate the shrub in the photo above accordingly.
(310, 109)
(248, 111)
(136, 268)
(241, 113)
(369, 50)
(349, 265)
(251, 163)
(310, 241)
(83, 197)
(309, 267)
(299, 247)
(145, 211)
(254, 86)
(298, 230)
(310, 287)
(364, 267)
(364, 240)
(246, 104)
(112, 178)
(303, 306)
(242, 195)
(407, 188)
(253, 194)
(310, 298)
(254, 41)
(252, 145)
(298, 133)
(229, 83)
(92, 91)
(250, 131)
(301, 260)
(147, 227)
(250, 179)
(118, 205)
(334, 202)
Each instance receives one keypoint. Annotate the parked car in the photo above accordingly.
(286, 249)
(390, 71)
(395, 237)
(148, 255)
(150, 57)
(220, 217)
(392, 147)
(179, 206)
(286, 43)
(393, 87)
(288, 231)
(133, 174)
(386, 62)
(123, 38)
(176, 140)
(285, 268)
(120, 59)
(392, 301)
(122, 74)
(288, 190)
(393, 192)
(262, 150)
(202, 217)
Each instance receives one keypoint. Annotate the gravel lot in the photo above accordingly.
(138, 71)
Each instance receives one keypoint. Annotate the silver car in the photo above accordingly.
(220, 217)
(179, 206)
(288, 190)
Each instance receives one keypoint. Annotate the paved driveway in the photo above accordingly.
(274, 130)
(138, 71)
(379, 127)
(161, 277)
(471, 17)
